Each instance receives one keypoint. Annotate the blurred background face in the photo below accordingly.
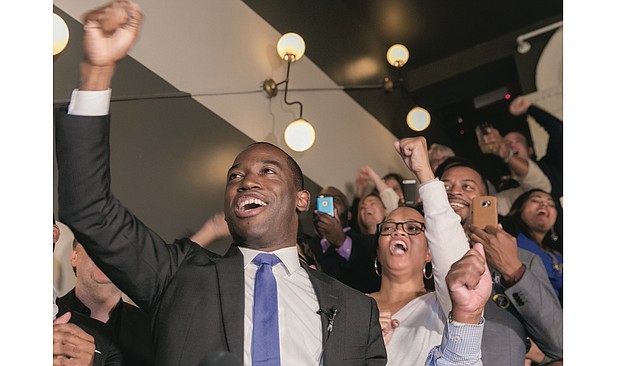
(436, 158)
(371, 211)
(539, 212)
(518, 144)
(395, 185)
(401, 253)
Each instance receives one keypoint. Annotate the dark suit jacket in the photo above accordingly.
(357, 272)
(195, 297)
(109, 354)
(131, 329)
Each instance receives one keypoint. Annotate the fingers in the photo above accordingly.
(120, 14)
(70, 341)
(395, 323)
(326, 221)
(64, 318)
(480, 249)
(387, 323)
(397, 147)
(468, 270)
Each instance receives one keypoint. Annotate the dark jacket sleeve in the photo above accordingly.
(536, 302)
(136, 259)
(555, 128)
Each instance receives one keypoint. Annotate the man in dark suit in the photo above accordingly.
(95, 296)
(200, 302)
(80, 340)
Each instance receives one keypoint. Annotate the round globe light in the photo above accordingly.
(397, 55)
(61, 34)
(291, 47)
(418, 119)
(299, 135)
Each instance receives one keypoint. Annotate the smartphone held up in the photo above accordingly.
(325, 204)
(484, 211)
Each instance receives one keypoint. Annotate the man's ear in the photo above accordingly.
(303, 201)
(530, 151)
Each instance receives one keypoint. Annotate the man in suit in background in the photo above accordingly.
(201, 303)
(342, 252)
(79, 340)
(523, 303)
(95, 296)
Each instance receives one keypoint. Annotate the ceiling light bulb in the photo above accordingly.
(398, 55)
(61, 34)
(291, 47)
(299, 135)
(418, 119)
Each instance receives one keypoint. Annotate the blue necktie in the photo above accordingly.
(265, 337)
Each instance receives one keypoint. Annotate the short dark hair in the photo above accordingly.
(397, 177)
(297, 173)
(458, 161)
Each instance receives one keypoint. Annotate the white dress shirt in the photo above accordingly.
(299, 323)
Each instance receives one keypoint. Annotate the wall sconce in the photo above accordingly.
(524, 47)
(299, 134)
(61, 34)
(418, 118)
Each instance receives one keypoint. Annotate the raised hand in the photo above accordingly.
(414, 152)
(109, 33)
(329, 227)
(519, 106)
(469, 285)
(361, 182)
(214, 228)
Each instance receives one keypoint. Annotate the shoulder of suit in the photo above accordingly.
(345, 290)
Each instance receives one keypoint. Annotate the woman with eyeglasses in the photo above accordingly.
(413, 319)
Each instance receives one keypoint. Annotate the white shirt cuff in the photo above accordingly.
(90, 103)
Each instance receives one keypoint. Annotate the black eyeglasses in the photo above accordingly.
(411, 227)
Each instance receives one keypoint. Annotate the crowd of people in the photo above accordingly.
(378, 282)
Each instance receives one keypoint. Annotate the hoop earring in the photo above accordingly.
(424, 271)
(377, 264)
(553, 235)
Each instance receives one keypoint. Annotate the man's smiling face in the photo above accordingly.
(462, 185)
(262, 199)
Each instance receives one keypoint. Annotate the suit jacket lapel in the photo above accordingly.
(328, 297)
(231, 282)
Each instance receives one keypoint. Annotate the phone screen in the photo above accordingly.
(325, 204)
